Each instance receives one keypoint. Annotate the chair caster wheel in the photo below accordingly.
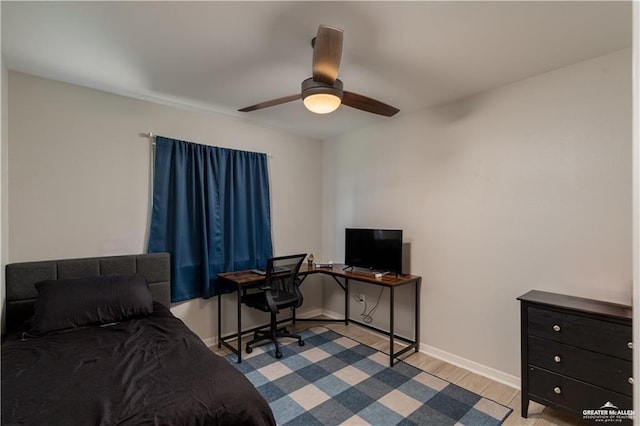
(301, 343)
(249, 349)
(278, 354)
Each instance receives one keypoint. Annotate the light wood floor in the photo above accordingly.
(539, 415)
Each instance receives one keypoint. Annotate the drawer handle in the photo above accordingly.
(630, 345)
(557, 358)
(631, 380)
(556, 328)
(557, 390)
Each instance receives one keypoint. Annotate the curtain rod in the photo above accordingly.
(153, 135)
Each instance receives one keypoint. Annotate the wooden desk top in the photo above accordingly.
(242, 278)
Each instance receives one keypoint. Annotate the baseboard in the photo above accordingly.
(310, 314)
(210, 341)
(331, 314)
(458, 361)
(467, 364)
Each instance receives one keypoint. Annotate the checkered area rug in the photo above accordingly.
(334, 380)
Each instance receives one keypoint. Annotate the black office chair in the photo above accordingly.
(280, 291)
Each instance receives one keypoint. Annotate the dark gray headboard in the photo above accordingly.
(21, 278)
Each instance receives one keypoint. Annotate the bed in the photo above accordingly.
(92, 341)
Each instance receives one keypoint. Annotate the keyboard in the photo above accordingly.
(276, 270)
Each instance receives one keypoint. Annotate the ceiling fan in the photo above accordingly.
(323, 93)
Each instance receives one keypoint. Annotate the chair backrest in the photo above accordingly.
(282, 282)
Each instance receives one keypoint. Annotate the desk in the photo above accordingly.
(246, 279)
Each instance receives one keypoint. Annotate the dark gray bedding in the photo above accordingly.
(145, 369)
(150, 370)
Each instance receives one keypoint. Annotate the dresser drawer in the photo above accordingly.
(576, 396)
(601, 336)
(596, 368)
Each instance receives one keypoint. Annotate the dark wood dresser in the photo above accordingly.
(576, 354)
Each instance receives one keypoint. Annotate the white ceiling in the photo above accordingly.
(222, 56)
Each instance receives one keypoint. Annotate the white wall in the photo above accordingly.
(527, 186)
(4, 188)
(79, 179)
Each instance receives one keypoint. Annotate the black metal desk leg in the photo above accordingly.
(239, 327)
(346, 301)
(391, 331)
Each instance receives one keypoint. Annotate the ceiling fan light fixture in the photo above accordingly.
(322, 103)
(321, 98)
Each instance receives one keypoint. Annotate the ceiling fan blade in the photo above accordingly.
(271, 103)
(368, 104)
(327, 53)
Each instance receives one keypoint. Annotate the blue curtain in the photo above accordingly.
(211, 211)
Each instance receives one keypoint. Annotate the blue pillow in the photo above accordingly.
(71, 303)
